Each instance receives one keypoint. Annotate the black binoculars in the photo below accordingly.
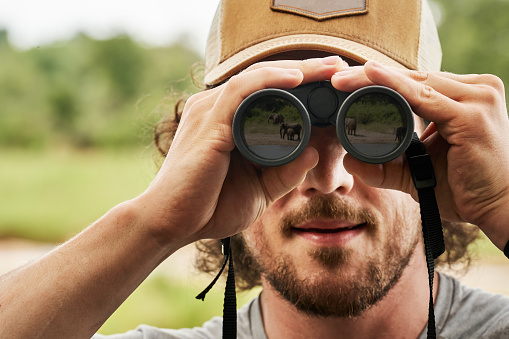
(272, 126)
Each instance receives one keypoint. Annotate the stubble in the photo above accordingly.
(330, 292)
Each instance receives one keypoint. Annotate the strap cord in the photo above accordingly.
(424, 180)
(230, 297)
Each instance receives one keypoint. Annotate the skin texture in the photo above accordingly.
(72, 291)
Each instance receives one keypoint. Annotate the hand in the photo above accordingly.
(467, 142)
(205, 188)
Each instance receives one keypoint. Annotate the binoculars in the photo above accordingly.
(271, 127)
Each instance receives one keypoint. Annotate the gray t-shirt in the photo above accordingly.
(460, 312)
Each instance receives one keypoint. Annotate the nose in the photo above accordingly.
(329, 175)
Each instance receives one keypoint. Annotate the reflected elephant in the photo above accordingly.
(276, 118)
(283, 129)
(400, 133)
(290, 134)
(351, 126)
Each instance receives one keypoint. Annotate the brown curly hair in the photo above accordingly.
(458, 236)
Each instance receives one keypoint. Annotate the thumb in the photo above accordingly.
(391, 175)
(281, 180)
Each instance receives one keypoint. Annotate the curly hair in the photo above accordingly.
(458, 236)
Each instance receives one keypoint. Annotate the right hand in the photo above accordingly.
(466, 141)
(205, 188)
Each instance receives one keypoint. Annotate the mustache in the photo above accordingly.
(328, 207)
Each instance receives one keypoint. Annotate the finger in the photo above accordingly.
(431, 129)
(454, 86)
(473, 79)
(242, 85)
(351, 79)
(449, 84)
(315, 69)
(200, 98)
(281, 180)
(354, 78)
(424, 99)
(479, 80)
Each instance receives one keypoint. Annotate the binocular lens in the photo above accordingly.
(272, 127)
(375, 126)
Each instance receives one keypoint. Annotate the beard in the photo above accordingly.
(331, 291)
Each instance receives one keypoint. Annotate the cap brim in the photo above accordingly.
(346, 48)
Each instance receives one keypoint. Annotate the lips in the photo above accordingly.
(327, 226)
(329, 232)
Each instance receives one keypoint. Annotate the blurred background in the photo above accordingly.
(81, 87)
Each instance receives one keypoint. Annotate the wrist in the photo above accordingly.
(495, 226)
(151, 222)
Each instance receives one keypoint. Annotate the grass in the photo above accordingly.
(50, 196)
(169, 303)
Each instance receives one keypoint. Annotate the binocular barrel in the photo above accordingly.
(272, 126)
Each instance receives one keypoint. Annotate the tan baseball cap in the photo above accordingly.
(400, 33)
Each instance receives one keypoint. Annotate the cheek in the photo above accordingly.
(264, 234)
(402, 215)
(257, 234)
(397, 210)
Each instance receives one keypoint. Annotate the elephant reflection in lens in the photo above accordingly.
(374, 124)
(272, 127)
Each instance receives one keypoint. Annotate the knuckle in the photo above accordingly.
(187, 107)
(491, 80)
(261, 65)
(425, 95)
(196, 103)
(194, 98)
(234, 82)
(419, 76)
(192, 102)
(489, 94)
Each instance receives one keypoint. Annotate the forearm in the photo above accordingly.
(76, 287)
(496, 223)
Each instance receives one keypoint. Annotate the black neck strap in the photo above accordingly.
(230, 297)
(423, 176)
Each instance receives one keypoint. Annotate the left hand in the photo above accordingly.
(467, 142)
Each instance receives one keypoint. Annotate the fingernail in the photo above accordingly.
(331, 60)
(294, 72)
(342, 73)
(377, 64)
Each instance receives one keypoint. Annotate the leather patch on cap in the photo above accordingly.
(321, 10)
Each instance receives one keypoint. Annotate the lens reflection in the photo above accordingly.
(375, 124)
(272, 127)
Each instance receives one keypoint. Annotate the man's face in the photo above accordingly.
(333, 246)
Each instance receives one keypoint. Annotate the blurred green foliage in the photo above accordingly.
(52, 195)
(475, 36)
(375, 108)
(167, 301)
(86, 93)
(103, 93)
(260, 110)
